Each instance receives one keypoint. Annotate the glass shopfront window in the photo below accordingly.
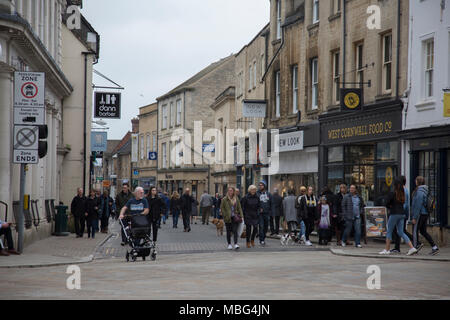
(284, 182)
(372, 167)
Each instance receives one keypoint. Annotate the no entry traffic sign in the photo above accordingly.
(29, 97)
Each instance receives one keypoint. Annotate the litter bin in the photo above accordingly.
(61, 221)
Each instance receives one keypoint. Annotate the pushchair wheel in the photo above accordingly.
(153, 255)
(127, 257)
(143, 258)
(133, 258)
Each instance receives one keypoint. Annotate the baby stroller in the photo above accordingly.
(137, 233)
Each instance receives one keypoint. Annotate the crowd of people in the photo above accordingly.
(338, 216)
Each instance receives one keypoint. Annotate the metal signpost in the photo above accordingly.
(29, 113)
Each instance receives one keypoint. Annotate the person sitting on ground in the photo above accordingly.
(5, 229)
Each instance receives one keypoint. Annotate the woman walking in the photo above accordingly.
(395, 202)
(325, 212)
(420, 214)
(156, 207)
(290, 212)
(251, 207)
(175, 208)
(308, 211)
(232, 216)
(91, 213)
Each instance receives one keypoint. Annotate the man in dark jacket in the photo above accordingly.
(186, 209)
(107, 208)
(157, 207)
(121, 200)
(341, 221)
(265, 199)
(277, 211)
(78, 210)
(352, 210)
(308, 212)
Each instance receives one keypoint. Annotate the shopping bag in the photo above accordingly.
(240, 228)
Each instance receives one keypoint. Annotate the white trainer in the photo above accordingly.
(230, 247)
(308, 243)
(384, 252)
(236, 246)
(412, 251)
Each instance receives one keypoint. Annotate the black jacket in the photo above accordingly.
(176, 204)
(309, 212)
(277, 205)
(395, 206)
(156, 206)
(92, 208)
(78, 206)
(251, 207)
(187, 203)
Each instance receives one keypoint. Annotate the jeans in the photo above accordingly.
(302, 229)
(251, 231)
(186, 220)
(275, 224)
(396, 222)
(92, 226)
(165, 216)
(175, 215)
(355, 223)
(104, 221)
(216, 213)
(263, 226)
(232, 228)
(80, 222)
(396, 238)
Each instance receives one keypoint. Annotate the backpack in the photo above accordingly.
(430, 203)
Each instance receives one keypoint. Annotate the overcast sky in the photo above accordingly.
(151, 46)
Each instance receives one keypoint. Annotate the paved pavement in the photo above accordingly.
(55, 251)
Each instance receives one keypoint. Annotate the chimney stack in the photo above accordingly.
(135, 125)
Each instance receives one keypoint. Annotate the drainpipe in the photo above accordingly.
(276, 54)
(85, 120)
(344, 36)
(398, 49)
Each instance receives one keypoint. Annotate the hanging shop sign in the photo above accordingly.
(107, 105)
(447, 104)
(351, 99)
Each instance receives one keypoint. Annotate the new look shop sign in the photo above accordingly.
(291, 141)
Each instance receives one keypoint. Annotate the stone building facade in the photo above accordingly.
(148, 142)
(177, 111)
(34, 37)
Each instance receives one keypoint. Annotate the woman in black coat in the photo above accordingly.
(91, 213)
(251, 206)
(156, 207)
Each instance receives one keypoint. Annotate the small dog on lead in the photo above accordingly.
(219, 226)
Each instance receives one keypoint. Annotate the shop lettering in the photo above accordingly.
(360, 131)
(292, 141)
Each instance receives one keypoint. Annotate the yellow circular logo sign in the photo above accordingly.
(389, 176)
(351, 100)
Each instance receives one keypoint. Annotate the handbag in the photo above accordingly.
(237, 218)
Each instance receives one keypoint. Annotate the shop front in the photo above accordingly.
(179, 179)
(298, 159)
(362, 147)
(429, 156)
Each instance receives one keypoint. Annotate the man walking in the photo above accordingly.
(121, 200)
(78, 210)
(186, 209)
(340, 216)
(106, 209)
(352, 209)
(206, 203)
(277, 212)
(265, 199)
(216, 205)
